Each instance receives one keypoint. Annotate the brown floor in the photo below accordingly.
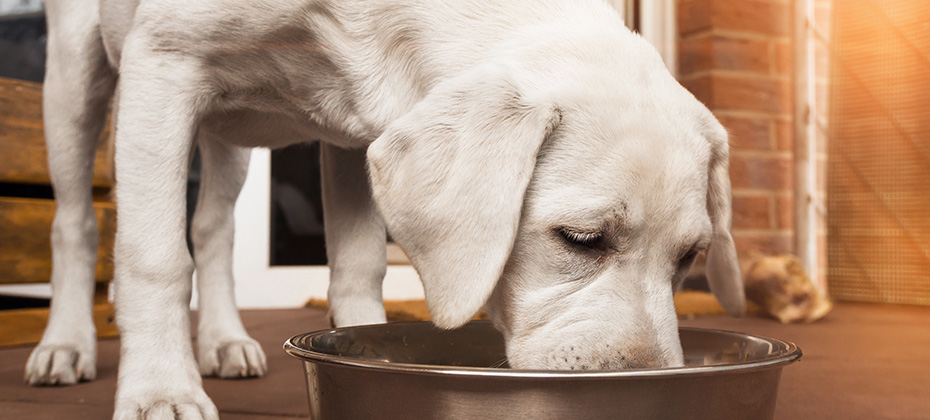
(861, 362)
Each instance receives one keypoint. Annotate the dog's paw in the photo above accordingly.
(61, 364)
(239, 358)
(152, 406)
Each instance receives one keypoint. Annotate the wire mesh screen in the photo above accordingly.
(879, 152)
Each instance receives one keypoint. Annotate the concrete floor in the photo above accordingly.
(863, 361)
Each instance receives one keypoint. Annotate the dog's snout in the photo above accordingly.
(604, 356)
(642, 357)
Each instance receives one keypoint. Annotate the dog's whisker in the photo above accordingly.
(500, 364)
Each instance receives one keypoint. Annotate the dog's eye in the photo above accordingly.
(583, 239)
(686, 260)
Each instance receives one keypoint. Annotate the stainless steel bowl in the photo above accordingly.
(417, 371)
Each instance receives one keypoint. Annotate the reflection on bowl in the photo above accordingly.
(417, 371)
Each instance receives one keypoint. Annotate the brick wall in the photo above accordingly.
(736, 57)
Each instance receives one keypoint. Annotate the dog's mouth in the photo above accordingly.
(591, 355)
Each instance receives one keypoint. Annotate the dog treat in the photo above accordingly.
(784, 291)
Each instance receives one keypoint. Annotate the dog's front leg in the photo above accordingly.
(160, 102)
(224, 348)
(355, 239)
(78, 86)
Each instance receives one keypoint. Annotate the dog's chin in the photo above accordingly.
(590, 364)
(581, 358)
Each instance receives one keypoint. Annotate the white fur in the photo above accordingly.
(490, 129)
(74, 116)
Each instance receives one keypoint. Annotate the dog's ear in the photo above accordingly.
(449, 178)
(723, 271)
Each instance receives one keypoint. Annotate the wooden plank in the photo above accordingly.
(22, 138)
(25, 326)
(25, 252)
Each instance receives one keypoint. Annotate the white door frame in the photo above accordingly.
(260, 285)
(658, 25)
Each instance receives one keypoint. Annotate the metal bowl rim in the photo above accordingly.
(791, 354)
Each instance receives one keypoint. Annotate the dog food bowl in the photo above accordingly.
(415, 371)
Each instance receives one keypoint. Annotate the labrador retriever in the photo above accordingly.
(532, 157)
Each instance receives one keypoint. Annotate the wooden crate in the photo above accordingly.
(22, 139)
(25, 252)
(26, 221)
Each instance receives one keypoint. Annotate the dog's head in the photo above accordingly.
(573, 210)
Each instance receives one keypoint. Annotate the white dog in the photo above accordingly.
(532, 156)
